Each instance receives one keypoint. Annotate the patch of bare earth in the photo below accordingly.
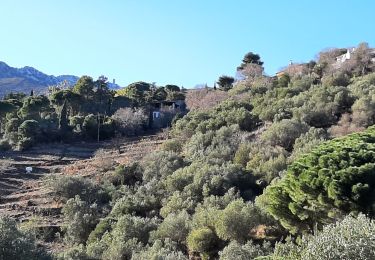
(24, 197)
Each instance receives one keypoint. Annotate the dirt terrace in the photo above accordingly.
(23, 195)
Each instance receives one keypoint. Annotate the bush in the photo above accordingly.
(351, 238)
(17, 245)
(131, 121)
(200, 180)
(127, 174)
(203, 241)
(338, 79)
(321, 106)
(80, 218)
(244, 252)
(25, 143)
(207, 212)
(158, 165)
(127, 236)
(214, 146)
(77, 252)
(177, 202)
(266, 162)
(308, 141)
(29, 129)
(284, 133)
(76, 123)
(67, 187)
(175, 227)
(90, 126)
(160, 251)
(28, 134)
(204, 99)
(236, 221)
(142, 201)
(173, 145)
(104, 225)
(334, 179)
(363, 111)
(226, 113)
(4, 145)
(344, 127)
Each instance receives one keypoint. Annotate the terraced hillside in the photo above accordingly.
(23, 196)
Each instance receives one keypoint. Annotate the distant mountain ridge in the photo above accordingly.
(28, 78)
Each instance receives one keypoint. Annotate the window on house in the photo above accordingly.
(155, 114)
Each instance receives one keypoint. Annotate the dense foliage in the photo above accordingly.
(350, 238)
(252, 162)
(17, 244)
(89, 110)
(334, 179)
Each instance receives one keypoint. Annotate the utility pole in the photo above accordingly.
(98, 120)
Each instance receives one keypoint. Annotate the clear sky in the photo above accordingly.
(184, 42)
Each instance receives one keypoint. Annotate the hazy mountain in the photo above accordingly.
(28, 78)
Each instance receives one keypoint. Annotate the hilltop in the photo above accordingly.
(28, 78)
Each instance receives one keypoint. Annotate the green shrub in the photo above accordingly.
(90, 126)
(226, 113)
(175, 227)
(214, 146)
(158, 165)
(4, 145)
(76, 122)
(104, 225)
(25, 143)
(142, 201)
(127, 174)
(28, 134)
(245, 251)
(237, 219)
(128, 235)
(173, 145)
(80, 218)
(334, 179)
(160, 251)
(210, 179)
(176, 202)
(67, 187)
(351, 238)
(284, 133)
(308, 141)
(17, 245)
(266, 162)
(241, 156)
(76, 252)
(203, 241)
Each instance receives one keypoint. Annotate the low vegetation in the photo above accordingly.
(276, 168)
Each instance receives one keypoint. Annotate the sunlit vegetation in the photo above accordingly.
(273, 168)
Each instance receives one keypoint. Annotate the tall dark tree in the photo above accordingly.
(102, 95)
(84, 87)
(63, 120)
(333, 180)
(250, 58)
(172, 88)
(136, 91)
(225, 82)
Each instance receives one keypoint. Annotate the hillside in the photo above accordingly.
(266, 167)
(28, 78)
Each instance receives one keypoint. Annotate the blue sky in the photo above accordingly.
(184, 42)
